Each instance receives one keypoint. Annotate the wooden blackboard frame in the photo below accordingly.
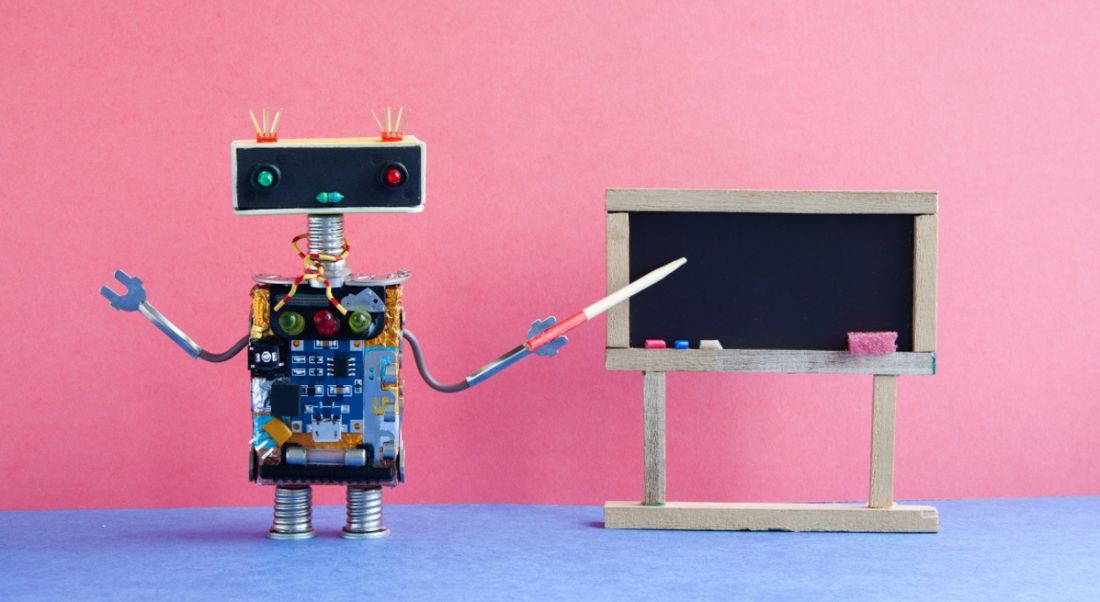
(880, 514)
(620, 203)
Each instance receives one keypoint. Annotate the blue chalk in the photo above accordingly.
(681, 344)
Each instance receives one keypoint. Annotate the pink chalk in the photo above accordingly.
(872, 343)
(655, 344)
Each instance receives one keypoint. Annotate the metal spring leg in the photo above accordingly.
(293, 513)
(364, 514)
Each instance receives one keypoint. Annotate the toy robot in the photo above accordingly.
(325, 348)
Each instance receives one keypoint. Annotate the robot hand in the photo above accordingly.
(134, 300)
(549, 349)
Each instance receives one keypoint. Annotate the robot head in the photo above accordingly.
(328, 175)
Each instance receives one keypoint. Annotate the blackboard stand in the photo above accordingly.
(880, 514)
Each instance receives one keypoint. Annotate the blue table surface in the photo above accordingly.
(1040, 548)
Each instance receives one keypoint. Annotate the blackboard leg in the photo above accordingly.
(882, 442)
(654, 438)
(880, 515)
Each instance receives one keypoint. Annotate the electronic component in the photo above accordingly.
(394, 175)
(325, 429)
(300, 456)
(291, 323)
(325, 323)
(343, 366)
(265, 357)
(308, 314)
(278, 431)
(284, 399)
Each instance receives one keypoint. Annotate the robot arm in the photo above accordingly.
(228, 354)
(548, 349)
(134, 300)
(545, 336)
(418, 355)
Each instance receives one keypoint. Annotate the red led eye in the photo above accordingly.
(394, 176)
(326, 323)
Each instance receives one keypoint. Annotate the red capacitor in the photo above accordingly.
(326, 323)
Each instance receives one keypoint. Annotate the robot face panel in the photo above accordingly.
(328, 176)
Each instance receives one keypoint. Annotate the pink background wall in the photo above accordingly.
(114, 152)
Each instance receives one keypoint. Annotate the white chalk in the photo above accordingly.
(709, 344)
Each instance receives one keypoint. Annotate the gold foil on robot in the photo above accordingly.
(260, 316)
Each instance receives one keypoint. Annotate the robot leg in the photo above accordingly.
(293, 513)
(364, 513)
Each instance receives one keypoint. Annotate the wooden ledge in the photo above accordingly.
(708, 516)
(769, 360)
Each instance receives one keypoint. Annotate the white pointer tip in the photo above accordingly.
(633, 288)
(666, 269)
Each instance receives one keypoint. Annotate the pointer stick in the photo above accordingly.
(603, 305)
(543, 338)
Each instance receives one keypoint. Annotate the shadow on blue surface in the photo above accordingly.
(1043, 548)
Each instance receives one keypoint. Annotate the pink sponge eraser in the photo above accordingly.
(872, 343)
(655, 344)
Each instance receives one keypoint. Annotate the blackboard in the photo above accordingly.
(773, 280)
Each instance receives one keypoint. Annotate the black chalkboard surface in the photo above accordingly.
(773, 280)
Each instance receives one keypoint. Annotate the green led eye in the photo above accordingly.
(292, 323)
(265, 176)
(359, 322)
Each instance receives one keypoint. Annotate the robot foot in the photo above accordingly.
(293, 513)
(364, 514)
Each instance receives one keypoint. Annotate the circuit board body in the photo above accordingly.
(326, 386)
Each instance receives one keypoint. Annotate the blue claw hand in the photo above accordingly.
(132, 299)
(550, 349)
